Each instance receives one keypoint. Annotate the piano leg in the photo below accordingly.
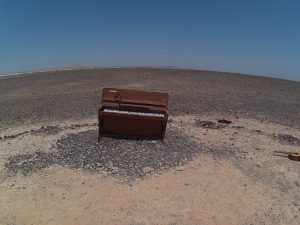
(163, 131)
(100, 123)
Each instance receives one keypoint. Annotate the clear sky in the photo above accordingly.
(247, 36)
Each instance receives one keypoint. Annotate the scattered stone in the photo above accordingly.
(288, 139)
(238, 127)
(49, 130)
(147, 169)
(258, 131)
(296, 203)
(297, 196)
(121, 157)
(208, 124)
(179, 169)
(11, 136)
(14, 135)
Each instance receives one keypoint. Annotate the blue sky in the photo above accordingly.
(254, 36)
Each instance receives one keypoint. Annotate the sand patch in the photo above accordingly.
(234, 178)
(198, 193)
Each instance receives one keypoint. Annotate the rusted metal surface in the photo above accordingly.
(133, 113)
(295, 156)
(224, 121)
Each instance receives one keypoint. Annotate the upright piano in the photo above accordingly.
(133, 113)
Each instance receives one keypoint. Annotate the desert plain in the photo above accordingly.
(53, 170)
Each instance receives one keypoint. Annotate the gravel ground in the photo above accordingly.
(124, 158)
(287, 139)
(54, 96)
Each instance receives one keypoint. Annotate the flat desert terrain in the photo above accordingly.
(53, 170)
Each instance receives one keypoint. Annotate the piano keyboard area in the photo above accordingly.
(134, 113)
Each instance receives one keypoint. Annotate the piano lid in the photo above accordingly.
(139, 98)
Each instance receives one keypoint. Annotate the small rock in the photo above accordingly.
(179, 169)
(238, 127)
(297, 183)
(296, 203)
(114, 168)
(297, 197)
(147, 169)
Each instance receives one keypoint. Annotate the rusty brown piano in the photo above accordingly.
(133, 113)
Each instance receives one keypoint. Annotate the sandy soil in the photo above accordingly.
(253, 186)
(233, 176)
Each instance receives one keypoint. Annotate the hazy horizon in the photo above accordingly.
(74, 68)
(256, 38)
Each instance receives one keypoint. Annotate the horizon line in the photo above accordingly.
(87, 67)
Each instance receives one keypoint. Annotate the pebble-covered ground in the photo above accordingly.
(122, 157)
(60, 95)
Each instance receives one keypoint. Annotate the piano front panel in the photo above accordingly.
(132, 125)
